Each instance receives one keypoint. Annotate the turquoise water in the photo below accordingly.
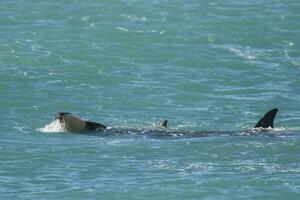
(203, 65)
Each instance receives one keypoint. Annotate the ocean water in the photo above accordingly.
(203, 65)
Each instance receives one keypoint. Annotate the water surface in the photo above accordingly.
(203, 65)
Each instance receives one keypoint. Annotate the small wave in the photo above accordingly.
(122, 29)
(86, 18)
(247, 53)
(277, 129)
(21, 129)
(53, 127)
(259, 129)
(134, 18)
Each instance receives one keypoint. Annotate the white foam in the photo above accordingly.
(122, 29)
(53, 127)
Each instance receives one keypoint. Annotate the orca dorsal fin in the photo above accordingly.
(163, 124)
(267, 120)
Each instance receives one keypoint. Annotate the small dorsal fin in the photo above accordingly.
(267, 120)
(163, 124)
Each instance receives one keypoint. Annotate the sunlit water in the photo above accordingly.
(203, 65)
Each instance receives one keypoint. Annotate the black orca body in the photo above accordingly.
(75, 124)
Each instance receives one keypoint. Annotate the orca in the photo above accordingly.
(75, 124)
(163, 124)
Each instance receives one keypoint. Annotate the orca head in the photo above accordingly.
(59, 115)
(71, 122)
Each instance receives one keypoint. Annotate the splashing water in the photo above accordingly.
(53, 127)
